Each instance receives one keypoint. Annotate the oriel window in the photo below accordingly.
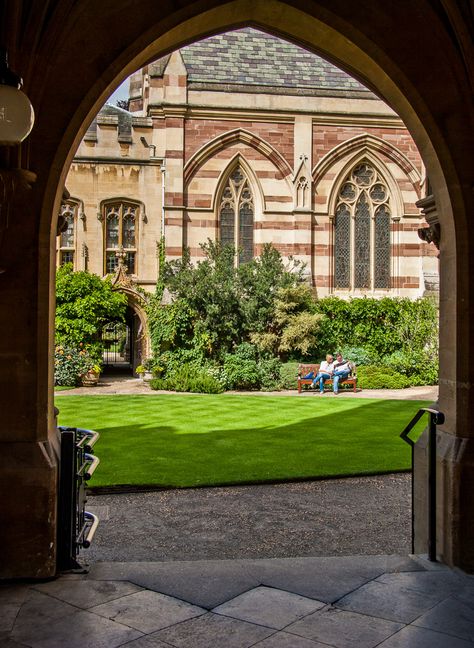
(362, 231)
(120, 223)
(236, 215)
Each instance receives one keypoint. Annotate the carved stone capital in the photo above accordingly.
(432, 233)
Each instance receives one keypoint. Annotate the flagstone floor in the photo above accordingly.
(338, 602)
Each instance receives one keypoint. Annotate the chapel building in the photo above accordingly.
(249, 139)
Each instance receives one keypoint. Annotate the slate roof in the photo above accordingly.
(260, 61)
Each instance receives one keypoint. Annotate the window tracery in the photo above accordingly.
(236, 215)
(120, 224)
(362, 231)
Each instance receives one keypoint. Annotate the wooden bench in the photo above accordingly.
(305, 369)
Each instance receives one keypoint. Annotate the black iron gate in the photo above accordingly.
(117, 342)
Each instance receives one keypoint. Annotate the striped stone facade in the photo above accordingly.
(191, 125)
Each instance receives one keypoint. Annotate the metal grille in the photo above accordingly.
(342, 247)
(382, 248)
(116, 340)
(362, 243)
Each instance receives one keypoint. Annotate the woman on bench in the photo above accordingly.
(325, 373)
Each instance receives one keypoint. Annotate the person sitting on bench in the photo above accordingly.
(341, 370)
(324, 373)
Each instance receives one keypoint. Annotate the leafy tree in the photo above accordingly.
(84, 303)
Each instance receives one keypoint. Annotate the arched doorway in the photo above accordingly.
(409, 67)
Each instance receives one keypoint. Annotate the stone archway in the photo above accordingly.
(410, 53)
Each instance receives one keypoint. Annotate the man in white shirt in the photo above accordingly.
(324, 373)
(341, 370)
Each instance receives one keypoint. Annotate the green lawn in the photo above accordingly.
(196, 440)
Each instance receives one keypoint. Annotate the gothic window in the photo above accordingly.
(67, 237)
(120, 223)
(236, 215)
(362, 231)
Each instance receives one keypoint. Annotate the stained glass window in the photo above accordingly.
(67, 238)
(362, 223)
(236, 215)
(120, 222)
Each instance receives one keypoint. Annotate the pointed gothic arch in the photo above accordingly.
(362, 218)
(231, 137)
(365, 144)
(236, 210)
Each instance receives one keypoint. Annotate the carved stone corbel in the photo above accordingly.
(432, 233)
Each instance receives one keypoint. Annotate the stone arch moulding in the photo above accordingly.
(122, 282)
(369, 156)
(105, 201)
(226, 139)
(237, 160)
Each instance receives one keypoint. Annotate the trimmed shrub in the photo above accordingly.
(288, 375)
(270, 374)
(241, 373)
(380, 377)
(188, 380)
(419, 366)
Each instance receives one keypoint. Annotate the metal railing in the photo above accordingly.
(435, 418)
(76, 526)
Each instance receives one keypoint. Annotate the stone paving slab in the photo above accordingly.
(265, 616)
(210, 583)
(269, 607)
(344, 629)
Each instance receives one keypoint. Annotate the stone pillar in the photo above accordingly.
(455, 441)
(28, 437)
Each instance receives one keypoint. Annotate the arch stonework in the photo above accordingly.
(66, 93)
(229, 138)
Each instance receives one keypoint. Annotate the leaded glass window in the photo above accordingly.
(342, 247)
(362, 243)
(120, 235)
(236, 215)
(362, 231)
(67, 238)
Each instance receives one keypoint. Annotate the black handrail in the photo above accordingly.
(435, 418)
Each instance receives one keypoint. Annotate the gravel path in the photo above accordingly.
(365, 515)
